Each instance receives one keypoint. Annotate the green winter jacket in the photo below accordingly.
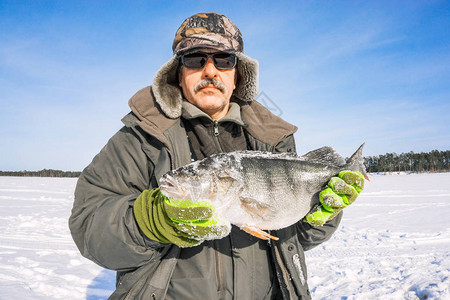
(102, 223)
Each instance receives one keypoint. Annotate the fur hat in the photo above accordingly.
(204, 31)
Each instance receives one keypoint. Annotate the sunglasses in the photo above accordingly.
(197, 60)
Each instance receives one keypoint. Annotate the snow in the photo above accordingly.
(393, 243)
(38, 259)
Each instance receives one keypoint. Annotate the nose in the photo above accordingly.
(209, 70)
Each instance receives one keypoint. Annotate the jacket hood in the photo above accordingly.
(169, 96)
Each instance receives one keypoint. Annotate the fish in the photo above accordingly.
(259, 191)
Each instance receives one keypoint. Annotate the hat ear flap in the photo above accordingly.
(247, 78)
(166, 88)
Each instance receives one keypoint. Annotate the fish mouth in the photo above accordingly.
(169, 187)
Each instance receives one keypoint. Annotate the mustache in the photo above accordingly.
(207, 81)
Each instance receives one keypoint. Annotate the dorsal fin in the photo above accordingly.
(325, 155)
(356, 162)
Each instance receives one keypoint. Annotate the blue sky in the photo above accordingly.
(344, 72)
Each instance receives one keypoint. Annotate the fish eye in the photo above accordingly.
(193, 173)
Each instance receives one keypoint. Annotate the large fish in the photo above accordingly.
(259, 190)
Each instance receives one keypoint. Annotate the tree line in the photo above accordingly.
(41, 173)
(434, 161)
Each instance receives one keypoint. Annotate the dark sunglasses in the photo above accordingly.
(197, 60)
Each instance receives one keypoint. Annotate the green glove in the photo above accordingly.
(340, 193)
(184, 223)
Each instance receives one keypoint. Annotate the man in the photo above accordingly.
(201, 102)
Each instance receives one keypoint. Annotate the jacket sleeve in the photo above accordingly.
(309, 236)
(312, 236)
(102, 223)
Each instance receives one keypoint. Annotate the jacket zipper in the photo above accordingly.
(216, 135)
(218, 259)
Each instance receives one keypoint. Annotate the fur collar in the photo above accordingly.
(169, 96)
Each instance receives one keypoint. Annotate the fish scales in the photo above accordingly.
(267, 179)
(259, 189)
(274, 182)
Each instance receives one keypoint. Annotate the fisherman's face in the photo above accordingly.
(213, 100)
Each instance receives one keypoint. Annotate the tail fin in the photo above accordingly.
(356, 162)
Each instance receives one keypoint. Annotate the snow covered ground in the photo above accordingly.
(393, 243)
(38, 259)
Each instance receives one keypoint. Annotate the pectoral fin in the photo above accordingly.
(258, 233)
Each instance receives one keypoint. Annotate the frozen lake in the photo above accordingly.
(393, 243)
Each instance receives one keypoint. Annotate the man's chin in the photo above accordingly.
(210, 100)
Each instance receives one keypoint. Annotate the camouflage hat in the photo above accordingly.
(207, 30)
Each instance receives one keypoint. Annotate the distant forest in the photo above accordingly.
(434, 161)
(41, 173)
